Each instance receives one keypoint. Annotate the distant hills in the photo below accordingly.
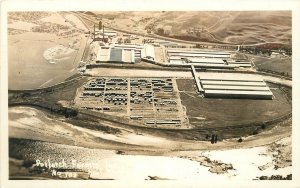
(211, 26)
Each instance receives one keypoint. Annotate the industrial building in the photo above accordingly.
(122, 53)
(115, 55)
(205, 59)
(234, 85)
(198, 53)
(167, 44)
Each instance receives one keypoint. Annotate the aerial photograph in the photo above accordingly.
(150, 95)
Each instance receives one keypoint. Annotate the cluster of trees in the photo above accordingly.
(47, 27)
(276, 177)
(150, 27)
(267, 49)
(126, 40)
(201, 46)
(282, 73)
(67, 112)
(161, 31)
(213, 138)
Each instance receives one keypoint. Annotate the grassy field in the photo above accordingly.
(274, 64)
(221, 112)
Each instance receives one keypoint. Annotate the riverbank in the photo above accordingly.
(36, 124)
(224, 165)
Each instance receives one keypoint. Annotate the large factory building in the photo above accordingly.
(234, 85)
(122, 53)
(205, 59)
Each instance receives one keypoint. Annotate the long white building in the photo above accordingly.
(234, 85)
(201, 58)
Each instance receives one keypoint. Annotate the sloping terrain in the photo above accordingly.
(230, 26)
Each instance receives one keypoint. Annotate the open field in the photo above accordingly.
(231, 26)
(205, 112)
(277, 65)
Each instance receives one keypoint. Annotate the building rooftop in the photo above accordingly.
(230, 77)
(115, 55)
(234, 85)
(195, 51)
(238, 92)
(240, 88)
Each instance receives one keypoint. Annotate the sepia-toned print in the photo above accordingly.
(150, 95)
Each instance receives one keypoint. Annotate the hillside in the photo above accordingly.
(229, 27)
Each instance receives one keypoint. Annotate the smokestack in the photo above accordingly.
(103, 32)
(94, 31)
(100, 25)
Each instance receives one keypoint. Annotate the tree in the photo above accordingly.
(160, 31)
(212, 139)
(127, 40)
(120, 40)
(207, 137)
(198, 46)
(216, 139)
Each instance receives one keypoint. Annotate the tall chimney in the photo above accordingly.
(103, 32)
(94, 31)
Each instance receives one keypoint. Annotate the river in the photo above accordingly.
(108, 164)
(28, 66)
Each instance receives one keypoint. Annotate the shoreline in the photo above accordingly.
(115, 137)
(219, 164)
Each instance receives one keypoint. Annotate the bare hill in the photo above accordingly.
(214, 26)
